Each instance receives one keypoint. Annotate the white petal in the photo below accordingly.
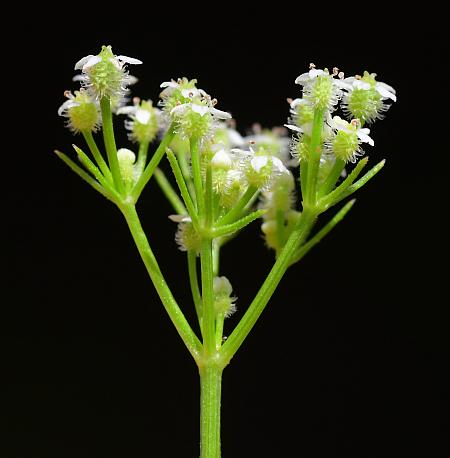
(315, 72)
(126, 110)
(132, 80)
(189, 93)
(387, 87)
(294, 128)
(94, 60)
(180, 218)
(129, 60)
(66, 105)
(385, 93)
(303, 78)
(220, 114)
(179, 109)
(363, 135)
(235, 137)
(79, 77)
(338, 123)
(258, 162)
(171, 84)
(278, 165)
(222, 159)
(341, 84)
(296, 102)
(349, 80)
(200, 109)
(143, 116)
(358, 84)
(82, 61)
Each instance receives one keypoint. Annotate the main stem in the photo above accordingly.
(210, 393)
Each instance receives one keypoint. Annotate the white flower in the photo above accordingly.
(81, 111)
(366, 99)
(386, 91)
(274, 142)
(222, 160)
(259, 169)
(349, 136)
(105, 75)
(197, 118)
(144, 120)
(200, 108)
(354, 126)
(321, 89)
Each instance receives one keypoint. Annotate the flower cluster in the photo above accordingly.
(144, 120)
(191, 109)
(363, 100)
(102, 75)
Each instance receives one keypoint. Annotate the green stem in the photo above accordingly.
(333, 196)
(332, 178)
(90, 141)
(216, 256)
(315, 152)
(176, 315)
(181, 155)
(208, 321)
(154, 162)
(210, 393)
(142, 158)
(183, 189)
(169, 192)
(209, 199)
(303, 177)
(361, 182)
(197, 174)
(297, 237)
(110, 144)
(219, 330)
(236, 211)
(193, 281)
(237, 225)
(280, 228)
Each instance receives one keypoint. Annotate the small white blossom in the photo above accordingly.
(346, 144)
(105, 75)
(321, 89)
(143, 120)
(386, 91)
(366, 99)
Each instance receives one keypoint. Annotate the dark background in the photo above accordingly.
(351, 357)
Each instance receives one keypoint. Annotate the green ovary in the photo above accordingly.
(345, 145)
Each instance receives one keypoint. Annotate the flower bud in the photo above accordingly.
(143, 123)
(126, 160)
(187, 237)
(223, 302)
(81, 111)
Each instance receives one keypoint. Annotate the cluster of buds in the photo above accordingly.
(191, 110)
(102, 76)
(362, 100)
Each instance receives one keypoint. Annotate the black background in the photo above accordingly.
(350, 359)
